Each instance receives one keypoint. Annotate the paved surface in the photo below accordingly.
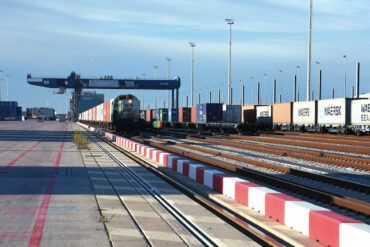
(159, 227)
(51, 194)
(46, 198)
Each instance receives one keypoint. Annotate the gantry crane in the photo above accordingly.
(74, 81)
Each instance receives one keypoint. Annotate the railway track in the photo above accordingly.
(317, 193)
(323, 135)
(322, 157)
(356, 143)
(201, 235)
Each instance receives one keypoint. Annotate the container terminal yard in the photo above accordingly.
(261, 153)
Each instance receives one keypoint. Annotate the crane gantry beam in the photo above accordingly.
(74, 81)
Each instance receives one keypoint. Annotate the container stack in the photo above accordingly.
(10, 111)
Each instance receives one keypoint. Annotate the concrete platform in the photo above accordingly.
(46, 198)
(51, 194)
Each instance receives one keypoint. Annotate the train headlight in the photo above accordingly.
(130, 101)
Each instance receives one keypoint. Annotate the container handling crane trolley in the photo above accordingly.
(74, 81)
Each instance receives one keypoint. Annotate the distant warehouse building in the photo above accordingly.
(10, 111)
(88, 100)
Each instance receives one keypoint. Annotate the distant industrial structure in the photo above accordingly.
(41, 112)
(10, 111)
(88, 100)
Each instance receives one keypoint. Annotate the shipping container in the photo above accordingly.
(282, 113)
(334, 112)
(184, 114)
(304, 113)
(163, 115)
(360, 112)
(156, 114)
(173, 115)
(264, 115)
(209, 112)
(149, 116)
(106, 111)
(249, 114)
(193, 113)
(231, 113)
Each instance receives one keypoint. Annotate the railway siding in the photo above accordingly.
(301, 216)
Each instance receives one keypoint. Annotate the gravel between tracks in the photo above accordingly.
(319, 168)
(301, 148)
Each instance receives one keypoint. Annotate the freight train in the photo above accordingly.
(342, 115)
(121, 114)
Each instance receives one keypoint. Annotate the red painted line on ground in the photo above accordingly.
(38, 227)
(24, 153)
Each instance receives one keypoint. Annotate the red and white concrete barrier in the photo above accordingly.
(318, 223)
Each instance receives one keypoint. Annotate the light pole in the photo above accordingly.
(168, 95)
(281, 84)
(318, 81)
(345, 74)
(241, 92)
(7, 87)
(229, 22)
(309, 53)
(155, 91)
(298, 70)
(252, 79)
(264, 100)
(192, 73)
(0, 84)
(143, 75)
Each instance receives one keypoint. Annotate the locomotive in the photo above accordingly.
(120, 114)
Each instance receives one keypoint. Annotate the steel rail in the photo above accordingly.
(319, 195)
(224, 213)
(195, 230)
(339, 160)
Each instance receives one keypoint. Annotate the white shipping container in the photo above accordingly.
(334, 112)
(100, 113)
(304, 113)
(264, 114)
(360, 112)
(231, 113)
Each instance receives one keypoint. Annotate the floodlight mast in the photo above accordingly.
(192, 44)
(229, 22)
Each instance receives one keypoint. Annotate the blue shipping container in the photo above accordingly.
(156, 114)
(209, 112)
(173, 115)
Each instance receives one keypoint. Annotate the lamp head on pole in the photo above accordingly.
(168, 59)
(192, 44)
(229, 21)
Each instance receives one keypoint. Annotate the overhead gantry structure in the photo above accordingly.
(74, 81)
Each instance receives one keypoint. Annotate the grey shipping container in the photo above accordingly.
(209, 112)
(231, 113)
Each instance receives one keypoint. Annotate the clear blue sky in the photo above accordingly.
(126, 38)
